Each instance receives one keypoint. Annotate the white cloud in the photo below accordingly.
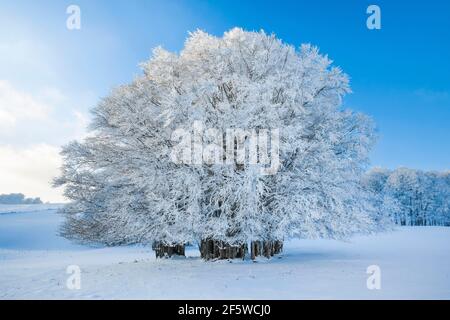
(16, 105)
(30, 171)
(45, 116)
(36, 116)
(32, 127)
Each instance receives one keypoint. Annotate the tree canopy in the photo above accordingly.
(125, 186)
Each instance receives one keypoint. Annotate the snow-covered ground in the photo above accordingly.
(414, 263)
(21, 208)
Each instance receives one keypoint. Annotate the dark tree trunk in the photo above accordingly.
(265, 248)
(213, 249)
(278, 247)
(163, 250)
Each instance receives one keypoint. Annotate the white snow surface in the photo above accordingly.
(21, 208)
(414, 263)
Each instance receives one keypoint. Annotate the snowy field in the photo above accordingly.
(414, 262)
(21, 208)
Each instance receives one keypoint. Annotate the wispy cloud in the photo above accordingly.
(44, 116)
(30, 171)
(16, 105)
(33, 126)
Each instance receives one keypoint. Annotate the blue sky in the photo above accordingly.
(50, 77)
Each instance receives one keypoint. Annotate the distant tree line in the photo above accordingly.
(412, 197)
(18, 198)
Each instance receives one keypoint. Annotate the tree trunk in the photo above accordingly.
(265, 248)
(253, 250)
(213, 249)
(163, 250)
(278, 247)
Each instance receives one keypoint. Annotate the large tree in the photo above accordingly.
(131, 182)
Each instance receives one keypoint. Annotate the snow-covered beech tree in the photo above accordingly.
(145, 173)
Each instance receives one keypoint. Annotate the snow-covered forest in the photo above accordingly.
(18, 198)
(412, 197)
